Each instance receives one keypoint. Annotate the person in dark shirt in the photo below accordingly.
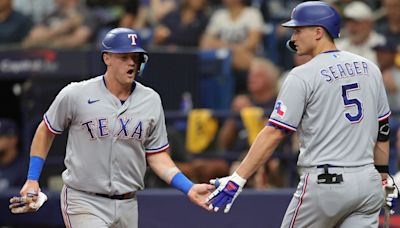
(184, 26)
(12, 163)
(14, 26)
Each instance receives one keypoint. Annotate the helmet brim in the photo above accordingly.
(294, 23)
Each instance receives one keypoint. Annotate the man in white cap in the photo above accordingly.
(360, 38)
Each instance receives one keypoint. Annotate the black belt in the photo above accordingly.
(329, 178)
(329, 166)
(129, 195)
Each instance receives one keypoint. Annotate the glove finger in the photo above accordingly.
(230, 202)
(221, 202)
(212, 181)
(17, 199)
(217, 199)
(216, 182)
(20, 210)
(212, 195)
(17, 204)
(213, 200)
(228, 208)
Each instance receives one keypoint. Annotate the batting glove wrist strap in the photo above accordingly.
(35, 167)
(181, 182)
(238, 179)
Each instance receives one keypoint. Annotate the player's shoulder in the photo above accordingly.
(360, 58)
(304, 70)
(146, 91)
(86, 83)
(83, 86)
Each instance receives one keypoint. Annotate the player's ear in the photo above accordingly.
(319, 32)
(106, 58)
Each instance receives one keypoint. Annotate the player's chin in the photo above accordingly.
(130, 78)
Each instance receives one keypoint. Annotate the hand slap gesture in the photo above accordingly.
(228, 188)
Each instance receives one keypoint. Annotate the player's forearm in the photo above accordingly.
(381, 155)
(166, 169)
(262, 148)
(42, 141)
(40, 147)
(163, 166)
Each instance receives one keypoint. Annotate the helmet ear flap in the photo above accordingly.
(142, 63)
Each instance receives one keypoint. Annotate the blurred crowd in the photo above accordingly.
(249, 28)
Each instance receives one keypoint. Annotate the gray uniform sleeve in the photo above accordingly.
(157, 140)
(290, 104)
(60, 113)
(383, 105)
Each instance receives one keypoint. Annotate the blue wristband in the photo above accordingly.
(181, 182)
(35, 167)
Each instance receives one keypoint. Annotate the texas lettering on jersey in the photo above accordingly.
(127, 129)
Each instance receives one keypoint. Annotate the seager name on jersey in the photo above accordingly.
(98, 128)
(344, 70)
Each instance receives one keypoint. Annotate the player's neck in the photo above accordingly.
(121, 91)
(323, 47)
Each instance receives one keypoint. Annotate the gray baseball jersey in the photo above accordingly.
(334, 102)
(107, 141)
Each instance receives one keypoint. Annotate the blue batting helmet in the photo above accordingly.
(315, 13)
(125, 40)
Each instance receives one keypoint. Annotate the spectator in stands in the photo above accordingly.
(262, 81)
(261, 84)
(390, 27)
(71, 25)
(130, 17)
(262, 87)
(12, 163)
(37, 9)
(183, 26)
(359, 37)
(238, 27)
(391, 76)
(386, 54)
(14, 26)
(141, 14)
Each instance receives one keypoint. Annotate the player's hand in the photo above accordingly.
(30, 199)
(390, 194)
(228, 188)
(27, 203)
(198, 194)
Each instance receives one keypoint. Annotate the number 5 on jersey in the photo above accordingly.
(350, 102)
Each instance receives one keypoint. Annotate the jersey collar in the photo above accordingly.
(330, 51)
(132, 87)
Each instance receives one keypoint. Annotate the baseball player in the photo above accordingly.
(338, 105)
(116, 127)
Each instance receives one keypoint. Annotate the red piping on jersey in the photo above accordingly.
(300, 202)
(384, 117)
(157, 152)
(65, 213)
(276, 123)
(49, 127)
